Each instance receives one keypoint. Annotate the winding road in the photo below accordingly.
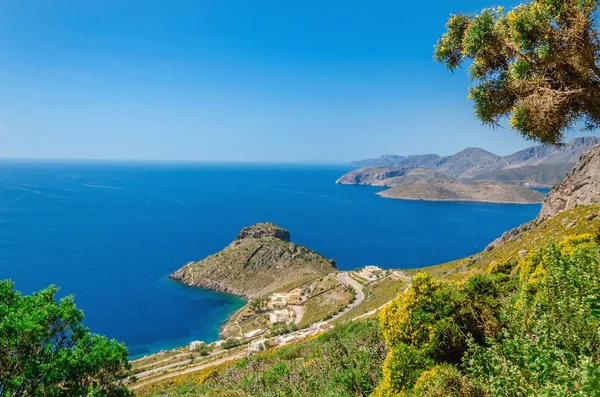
(343, 278)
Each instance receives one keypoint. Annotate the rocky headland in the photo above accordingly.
(258, 262)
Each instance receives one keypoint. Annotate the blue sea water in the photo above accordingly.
(110, 233)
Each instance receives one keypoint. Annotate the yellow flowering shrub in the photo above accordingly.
(501, 266)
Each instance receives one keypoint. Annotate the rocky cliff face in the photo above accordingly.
(260, 261)
(580, 187)
(261, 230)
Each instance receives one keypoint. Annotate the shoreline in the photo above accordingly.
(166, 346)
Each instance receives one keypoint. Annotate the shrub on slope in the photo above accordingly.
(536, 332)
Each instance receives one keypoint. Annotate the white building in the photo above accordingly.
(373, 271)
(196, 344)
(257, 346)
(278, 300)
(279, 316)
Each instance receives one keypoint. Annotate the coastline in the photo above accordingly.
(158, 346)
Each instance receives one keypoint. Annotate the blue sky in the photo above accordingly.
(232, 81)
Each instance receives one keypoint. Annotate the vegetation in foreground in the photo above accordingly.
(345, 361)
(46, 351)
(523, 328)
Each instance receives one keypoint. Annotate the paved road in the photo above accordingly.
(345, 279)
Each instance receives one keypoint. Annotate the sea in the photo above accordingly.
(110, 232)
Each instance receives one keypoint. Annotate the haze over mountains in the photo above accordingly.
(472, 162)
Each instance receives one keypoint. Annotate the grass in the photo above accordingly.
(333, 299)
(376, 295)
(566, 223)
(345, 361)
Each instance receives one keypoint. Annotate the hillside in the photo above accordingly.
(541, 279)
(474, 161)
(386, 176)
(463, 191)
(392, 160)
(541, 175)
(259, 261)
(571, 207)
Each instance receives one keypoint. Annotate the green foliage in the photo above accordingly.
(231, 343)
(500, 267)
(445, 381)
(46, 351)
(432, 323)
(536, 65)
(203, 349)
(533, 333)
(345, 361)
(551, 344)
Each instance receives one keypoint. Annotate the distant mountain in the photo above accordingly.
(474, 161)
(469, 162)
(392, 160)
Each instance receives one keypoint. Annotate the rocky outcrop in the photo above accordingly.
(260, 261)
(580, 187)
(266, 229)
(463, 191)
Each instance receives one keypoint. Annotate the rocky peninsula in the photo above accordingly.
(259, 261)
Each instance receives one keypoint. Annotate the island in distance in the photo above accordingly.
(470, 175)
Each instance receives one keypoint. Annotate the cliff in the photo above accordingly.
(463, 191)
(580, 187)
(259, 261)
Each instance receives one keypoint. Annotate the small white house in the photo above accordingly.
(278, 300)
(373, 271)
(279, 316)
(257, 346)
(196, 344)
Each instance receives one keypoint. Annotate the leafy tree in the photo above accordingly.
(46, 351)
(537, 65)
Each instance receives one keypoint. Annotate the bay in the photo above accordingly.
(110, 233)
